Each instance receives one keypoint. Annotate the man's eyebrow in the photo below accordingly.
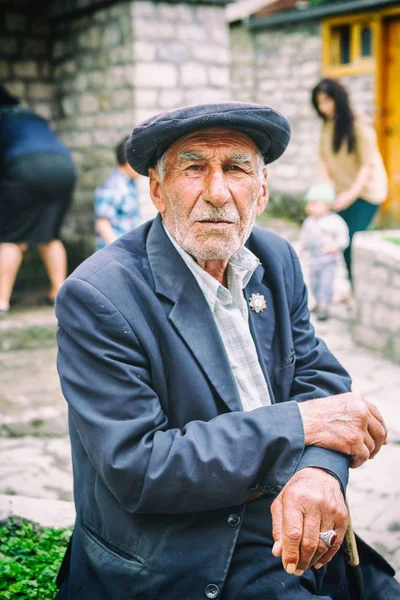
(240, 158)
(182, 156)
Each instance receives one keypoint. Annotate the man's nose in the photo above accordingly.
(216, 190)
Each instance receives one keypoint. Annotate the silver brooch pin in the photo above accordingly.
(257, 302)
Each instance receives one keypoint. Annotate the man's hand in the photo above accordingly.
(346, 423)
(310, 502)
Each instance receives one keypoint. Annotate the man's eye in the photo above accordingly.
(233, 168)
(195, 167)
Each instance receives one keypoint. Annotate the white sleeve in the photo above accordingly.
(341, 233)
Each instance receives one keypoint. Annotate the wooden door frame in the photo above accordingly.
(381, 84)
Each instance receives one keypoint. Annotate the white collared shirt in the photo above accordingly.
(231, 315)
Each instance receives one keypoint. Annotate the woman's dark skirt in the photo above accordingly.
(35, 195)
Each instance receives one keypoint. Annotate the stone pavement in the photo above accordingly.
(35, 449)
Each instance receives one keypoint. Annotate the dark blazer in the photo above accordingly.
(162, 452)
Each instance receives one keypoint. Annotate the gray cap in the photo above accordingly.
(151, 138)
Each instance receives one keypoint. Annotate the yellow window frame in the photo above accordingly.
(358, 64)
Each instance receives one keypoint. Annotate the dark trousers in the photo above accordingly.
(358, 218)
(255, 574)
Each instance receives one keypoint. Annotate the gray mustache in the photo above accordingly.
(217, 215)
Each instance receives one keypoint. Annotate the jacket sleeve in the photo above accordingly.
(317, 374)
(149, 466)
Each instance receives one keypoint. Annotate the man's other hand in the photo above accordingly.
(346, 423)
(310, 502)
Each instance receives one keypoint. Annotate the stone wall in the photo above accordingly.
(94, 77)
(24, 55)
(181, 53)
(279, 66)
(117, 65)
(376, 272)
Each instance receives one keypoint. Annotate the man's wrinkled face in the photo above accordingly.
(211, 191)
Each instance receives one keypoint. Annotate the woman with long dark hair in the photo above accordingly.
(350, 159)
(37, 178)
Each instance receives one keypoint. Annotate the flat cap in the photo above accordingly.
(151, 138)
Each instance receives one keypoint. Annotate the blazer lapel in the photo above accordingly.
(262, 324)
(190, 314)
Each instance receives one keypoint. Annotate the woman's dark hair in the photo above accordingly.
(120, 151)
(6, 98)
(344, 118)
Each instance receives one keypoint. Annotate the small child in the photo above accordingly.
(323, 236)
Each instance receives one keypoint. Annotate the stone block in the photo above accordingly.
(8, 45)
(43, 109)
(378, 275)
(194, 33)
(105, 99)
(168, 13)
(88, 103)
(218, 76)
(210, 54)
(150, 30)
(89, 178)
(96, 80)
(105, 137)
(92, 60)
(144, 51)
(170, 98)
(121, 54)
(199, 95)
(210, 14)
(4, 69)
(372, 338)
(41, 91)
(15, 22)
(91, 39)
(144, 9)
(17, 88)
(144, 98)
(193, 74)
(112, 36)
(122, 98)
(173, 52)
(34, 47)
(39, 26)
(395, 280)
(143, 113)
(26, 69)
(396, 347)
(219, 35)
(116, 76)
(156, 75)
(77, 139)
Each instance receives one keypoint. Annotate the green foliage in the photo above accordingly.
(29, 559)
(319, 2)
(394, 240)
(286, 207)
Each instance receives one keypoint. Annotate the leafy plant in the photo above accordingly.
(30, 557)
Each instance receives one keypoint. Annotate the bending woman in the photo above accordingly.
(350, 159)
(37, 179)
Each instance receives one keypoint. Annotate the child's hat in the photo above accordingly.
(321, 191)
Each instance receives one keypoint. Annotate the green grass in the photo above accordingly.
(393, 240)
(30, 557)
(28, 338)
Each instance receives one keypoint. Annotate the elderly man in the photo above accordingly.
(211, 430)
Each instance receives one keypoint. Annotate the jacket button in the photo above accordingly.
(212, 591)
(233, 520)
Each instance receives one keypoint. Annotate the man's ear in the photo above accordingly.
(263, 197)
(156, 191)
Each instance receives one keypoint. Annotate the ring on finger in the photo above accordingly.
(328, 537)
